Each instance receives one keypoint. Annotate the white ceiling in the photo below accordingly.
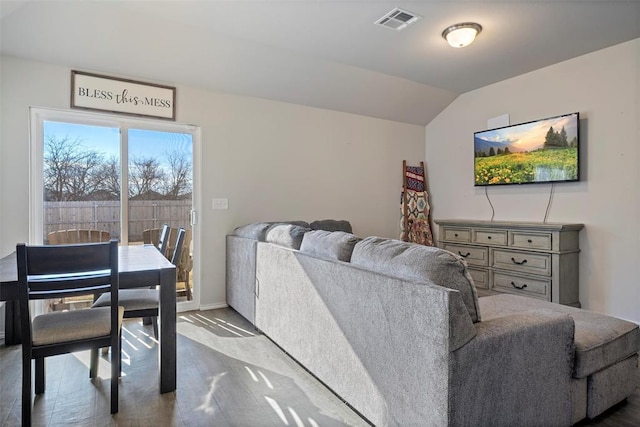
(322, 53)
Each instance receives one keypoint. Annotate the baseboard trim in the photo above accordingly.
(213, 306)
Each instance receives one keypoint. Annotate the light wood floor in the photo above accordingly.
(228, 375)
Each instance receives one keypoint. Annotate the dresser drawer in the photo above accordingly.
(490, 237)
(472, 254)
(455, 234)
(480, 277)
(525, 262)
(521, 285)
(525, 240)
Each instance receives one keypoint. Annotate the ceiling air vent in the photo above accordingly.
(397, 19)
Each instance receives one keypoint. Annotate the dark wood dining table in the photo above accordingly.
(139, 266)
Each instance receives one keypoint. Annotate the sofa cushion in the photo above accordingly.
(329, 244)
(600, 340)
(332, 225)
(258, 230)
(255, 231)
(287, 235)
(297, 222)
(416, 262)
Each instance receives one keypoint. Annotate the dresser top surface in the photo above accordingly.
(538, 226)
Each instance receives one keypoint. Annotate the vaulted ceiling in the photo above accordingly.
(321, 53)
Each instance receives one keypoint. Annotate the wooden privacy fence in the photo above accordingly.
(105, 216)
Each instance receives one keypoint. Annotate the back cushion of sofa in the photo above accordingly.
(296, 222)
(329, 244)
(287, 235)
(332, 225)
(416, 262)
(256, 231)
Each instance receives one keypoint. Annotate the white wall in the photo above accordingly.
(274, 161)
(604, 87)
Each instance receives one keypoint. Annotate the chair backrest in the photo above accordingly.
(150, 236)
(185, 252)
(65, 237)
(163, 240)
(52, 271)
(177, 249)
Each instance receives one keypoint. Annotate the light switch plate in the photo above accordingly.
(220, 203)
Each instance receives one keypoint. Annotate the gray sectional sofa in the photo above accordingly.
(398, 331)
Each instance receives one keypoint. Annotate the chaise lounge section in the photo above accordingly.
(398, 332)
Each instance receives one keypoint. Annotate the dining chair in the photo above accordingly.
(163, 241)
(143, 302)
(58, 271)
(150, 235)
(184, 268)
(158, 237)
(184, 265)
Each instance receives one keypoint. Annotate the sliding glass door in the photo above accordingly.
(96, 177)
(160, 191)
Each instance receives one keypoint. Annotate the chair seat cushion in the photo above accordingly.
(600, 340)
(132, 299)
(64, 326)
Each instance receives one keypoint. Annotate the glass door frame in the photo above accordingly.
(37, 117)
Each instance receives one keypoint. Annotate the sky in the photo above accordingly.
(532, 135)
(142, 143)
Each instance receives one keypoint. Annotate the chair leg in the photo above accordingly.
(187, 286)
(120, 358)
(40, 375)
(116, 361)
(120, 355)
(26, 389)
(93, 364)
(155, 326)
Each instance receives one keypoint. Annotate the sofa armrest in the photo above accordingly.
(517, 369)
(241, 275)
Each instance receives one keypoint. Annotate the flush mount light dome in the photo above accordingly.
(461, 35)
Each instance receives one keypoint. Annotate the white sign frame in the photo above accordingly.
(115, 95)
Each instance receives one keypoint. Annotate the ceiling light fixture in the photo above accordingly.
(461, 35)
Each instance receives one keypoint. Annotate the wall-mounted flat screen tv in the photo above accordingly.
(544, 150)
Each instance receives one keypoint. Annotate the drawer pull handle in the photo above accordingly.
(529, 240)
(489, 237)
(456, 235)
(463, 255)
(524, 261)
(524, 285)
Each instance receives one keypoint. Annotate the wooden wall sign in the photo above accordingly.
(115, 95)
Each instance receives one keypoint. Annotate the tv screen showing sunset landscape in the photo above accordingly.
(541, 151)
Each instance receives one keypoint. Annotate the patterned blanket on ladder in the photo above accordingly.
(415, 227)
